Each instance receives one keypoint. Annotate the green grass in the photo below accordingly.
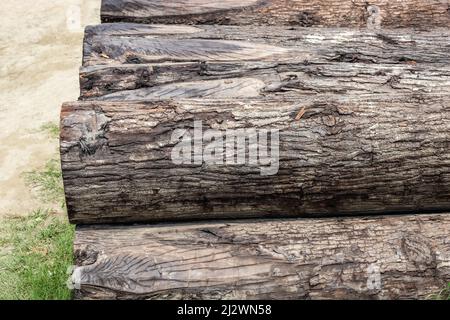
(444, 294)
(36, 250)
(40, 253)
(52, 129)
(48, 182)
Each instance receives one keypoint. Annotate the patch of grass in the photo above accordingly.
(37, 252)
(444, 294)
(48, 182)
(52, 129)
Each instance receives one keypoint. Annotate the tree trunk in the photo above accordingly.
(305, 13)
(137, 62)
(130, 162)
(391, 257)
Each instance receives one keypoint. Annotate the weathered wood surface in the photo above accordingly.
(110, 44)
(306, 13)
(239, 80)
(391, 257)
(337, 155)
(136, 62)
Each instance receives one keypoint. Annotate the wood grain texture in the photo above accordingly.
(112, 44)
(345, 155)
(258, 79)
(306, 13)
(391, 257)
(136, 62)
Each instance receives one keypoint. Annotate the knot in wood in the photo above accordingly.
(418, 251)
(329, 120)
(85, 255)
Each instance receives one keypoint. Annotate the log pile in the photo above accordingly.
(353, 122)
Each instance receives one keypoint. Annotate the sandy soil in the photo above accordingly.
(40, 53)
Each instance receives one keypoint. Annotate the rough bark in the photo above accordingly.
(337, 155)
(257, 79)
(391, 257)
(123, 63)
(112, 44)
(306, 13)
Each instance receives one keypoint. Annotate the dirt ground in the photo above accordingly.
(40, 53)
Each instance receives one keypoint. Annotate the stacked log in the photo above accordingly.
(305, 13)
(344, 155)
(138, 62)
(394, 257)
(231, 110)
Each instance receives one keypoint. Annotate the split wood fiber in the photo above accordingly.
(138, 62)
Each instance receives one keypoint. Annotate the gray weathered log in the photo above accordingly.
(391, 257)
(332, 13)
(112, 44)
(136, 62)
(337, 155)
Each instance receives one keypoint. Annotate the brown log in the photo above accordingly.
(138, 62)
(306, 13)
(391, 257)
(337, 155)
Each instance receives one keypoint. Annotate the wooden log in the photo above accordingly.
(111, 44)
(306, 13)
(114, 44)
(251, 80)
(391, 257)
(337, 156)
(138, 62)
